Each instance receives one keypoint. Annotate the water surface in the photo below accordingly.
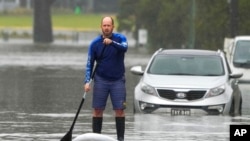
(41, 89)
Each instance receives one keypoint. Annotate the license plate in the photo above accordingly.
(182, 111)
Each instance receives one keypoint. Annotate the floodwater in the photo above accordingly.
(41, 90)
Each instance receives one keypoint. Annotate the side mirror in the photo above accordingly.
(137, 70)
(236, 75)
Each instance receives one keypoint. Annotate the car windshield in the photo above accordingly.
(187, 65)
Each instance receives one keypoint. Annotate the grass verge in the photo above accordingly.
(80, 22)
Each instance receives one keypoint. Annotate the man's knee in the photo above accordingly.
(119, 113)
(97, 113)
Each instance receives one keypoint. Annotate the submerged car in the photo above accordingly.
(238, 54)
(186, 80)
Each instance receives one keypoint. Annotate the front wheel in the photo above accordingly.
(236, 107)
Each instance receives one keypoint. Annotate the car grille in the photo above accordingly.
(189, 95)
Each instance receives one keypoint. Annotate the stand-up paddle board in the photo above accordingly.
(93, 137)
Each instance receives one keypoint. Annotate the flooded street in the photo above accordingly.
(41, 90)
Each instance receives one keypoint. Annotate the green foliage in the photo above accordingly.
(126, 19)
(167, 26)
(169, 21)
(244, 16)
(212, 24)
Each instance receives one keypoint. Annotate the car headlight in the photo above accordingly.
(147, 89)
(216, 91)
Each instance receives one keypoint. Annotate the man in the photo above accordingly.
(108, 51)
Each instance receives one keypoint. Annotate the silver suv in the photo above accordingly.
(186, 81)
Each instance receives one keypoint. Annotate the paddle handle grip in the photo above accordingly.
(85, 93)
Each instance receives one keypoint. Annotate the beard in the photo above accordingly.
(107, 33)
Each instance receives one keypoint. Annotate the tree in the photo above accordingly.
(243, 17)
(42, 27)
(212, 24)
(168, 21)
(126, 19)
(167, 26)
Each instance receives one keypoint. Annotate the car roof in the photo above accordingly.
(242, 38)
(190, 52)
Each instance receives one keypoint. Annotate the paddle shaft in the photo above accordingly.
(68, 136)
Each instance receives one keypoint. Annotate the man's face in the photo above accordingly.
(107, 27)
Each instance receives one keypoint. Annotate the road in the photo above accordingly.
(41, 89)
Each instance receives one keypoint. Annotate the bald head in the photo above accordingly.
(107, 19)
(107, 26)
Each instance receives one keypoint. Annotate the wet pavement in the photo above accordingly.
(41, 89)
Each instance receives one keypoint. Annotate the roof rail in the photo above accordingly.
(219, 51)
(159, 50)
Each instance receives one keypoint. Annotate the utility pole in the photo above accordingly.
(233, 11)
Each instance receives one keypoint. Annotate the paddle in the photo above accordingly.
(68, 136)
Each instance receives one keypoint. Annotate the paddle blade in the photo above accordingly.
(67, 137)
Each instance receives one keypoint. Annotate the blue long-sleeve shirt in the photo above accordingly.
(110, 63)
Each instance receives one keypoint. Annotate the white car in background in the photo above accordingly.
(238, 54)
(183, 80)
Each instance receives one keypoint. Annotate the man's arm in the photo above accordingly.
(123, 45)
(89, 65)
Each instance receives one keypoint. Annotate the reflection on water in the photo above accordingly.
(184, 127)
(41, 89)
